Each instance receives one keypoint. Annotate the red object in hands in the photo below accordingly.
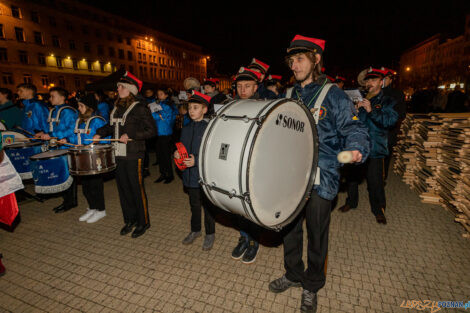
(8, 209)
(183, 156)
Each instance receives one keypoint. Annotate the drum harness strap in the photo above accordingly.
(51, 120)
(322, 92)
(80, 131)
(119, 146)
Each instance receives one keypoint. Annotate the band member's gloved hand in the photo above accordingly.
(96, 137)
(124, 138)
(356, 156)
(45, 137)
(176, 155)
(189, 162)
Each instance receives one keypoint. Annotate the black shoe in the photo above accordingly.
(250, 253)
(58, 208)
(2, 268)
(168, 180)
(240, 249)
(140, 230)
(63, 208)
(282, 284)
(127, 228)
(309, 302)
(380, 218)
(345, 208)
(160, 179)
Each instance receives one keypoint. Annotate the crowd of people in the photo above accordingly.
(140, 119)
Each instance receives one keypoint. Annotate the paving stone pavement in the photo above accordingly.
(57, 264)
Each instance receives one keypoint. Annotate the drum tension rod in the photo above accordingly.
(243, 118)
(231, 194)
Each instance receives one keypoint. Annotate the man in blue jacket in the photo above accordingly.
(339, 129)
(35, 112)
(378, 114)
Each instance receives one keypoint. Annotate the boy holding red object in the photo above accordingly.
(191, 138)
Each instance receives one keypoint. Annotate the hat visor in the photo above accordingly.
(369, 76)
(296, 50)
(245, 78)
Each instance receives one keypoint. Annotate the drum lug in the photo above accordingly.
(243, 118)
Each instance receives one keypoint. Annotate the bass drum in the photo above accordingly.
(258, 159)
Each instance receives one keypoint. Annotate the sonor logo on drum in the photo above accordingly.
(289, 122)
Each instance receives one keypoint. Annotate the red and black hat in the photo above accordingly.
(245, 73)
(389, 71)
(131, 82)
(200, 98)
(273, 80)
(211, 81)
(340, 79)
(331, 78)
(375, 73)
(306, 44)
(258, 65)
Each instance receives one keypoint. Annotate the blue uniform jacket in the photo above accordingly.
(378, 121)
(103, 110)
(35, 115)
(265, 93)
(66, 125)
(165, 118)
(191, 137)
(94, 125)
(339, 129)
(186, 119)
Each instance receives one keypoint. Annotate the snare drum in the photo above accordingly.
(258, 159)
(19, 154)
(51, 171)
(91, 160)
(9, 137)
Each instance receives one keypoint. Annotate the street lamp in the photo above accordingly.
(408, 69)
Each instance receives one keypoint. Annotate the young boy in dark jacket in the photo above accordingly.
(191, 137)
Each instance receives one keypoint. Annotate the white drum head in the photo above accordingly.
(283, 155)
(9, 137)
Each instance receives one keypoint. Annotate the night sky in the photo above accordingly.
(357, 33)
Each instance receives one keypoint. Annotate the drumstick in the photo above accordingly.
(24, 130)
(105, 139)
(345, 157)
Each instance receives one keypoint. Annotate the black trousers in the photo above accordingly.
(373, 169)
(131, 191)
(317, 215)
(197, 198)
(149, 144)
(70, 195)
(93, 190)
(164, 156)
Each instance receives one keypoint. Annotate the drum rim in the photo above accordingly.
(91, 148)
(22, 145)
(313, 171)
(88, 173)
(34, 158)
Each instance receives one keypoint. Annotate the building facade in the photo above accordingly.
(69, 44)
(438, 63)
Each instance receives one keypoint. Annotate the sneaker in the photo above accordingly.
(282, 284)
(87, 215)
(191, 237)
(250, 253)
(96, 217)
(208, 242)
(240, 249)
(309, 302)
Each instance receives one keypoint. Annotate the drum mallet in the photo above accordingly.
(345, 157)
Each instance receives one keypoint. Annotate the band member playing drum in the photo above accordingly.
(35, 112)
(191, 137)
(377, 113)
(338, 129)
(92, 185)
(61, 126)
(247, 248)
(131, 122)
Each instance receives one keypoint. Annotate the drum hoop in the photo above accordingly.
(75, 150)
(248, 133)
(86, 173)
(313, 172)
